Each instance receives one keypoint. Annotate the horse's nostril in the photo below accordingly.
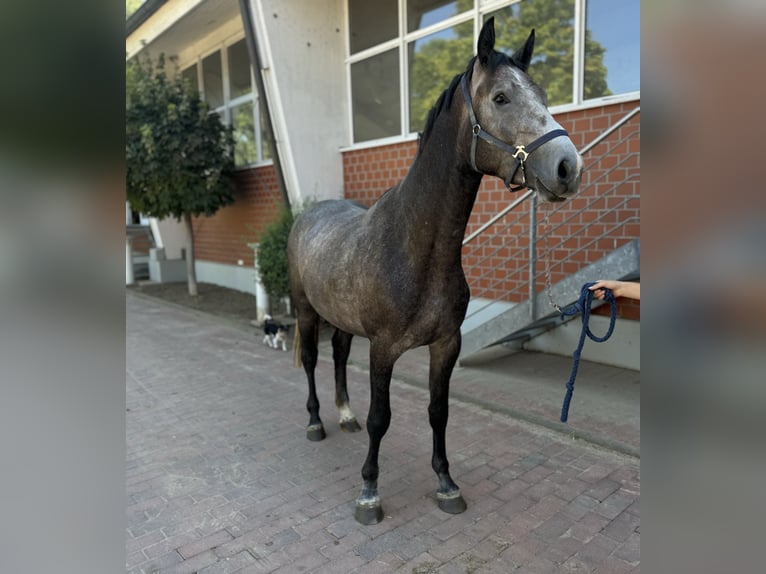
(563, 170)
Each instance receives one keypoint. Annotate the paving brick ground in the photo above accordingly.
(221, 479)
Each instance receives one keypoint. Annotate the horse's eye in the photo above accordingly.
(500, 99)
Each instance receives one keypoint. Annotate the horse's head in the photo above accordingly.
(513, 135)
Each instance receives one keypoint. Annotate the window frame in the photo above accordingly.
(477, 13)
(224, 111)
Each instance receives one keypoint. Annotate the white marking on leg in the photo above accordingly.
(369, 501)
(448, 495)
(346, 414)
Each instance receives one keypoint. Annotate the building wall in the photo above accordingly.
(302, 48)
(141, 244)
(223, 238)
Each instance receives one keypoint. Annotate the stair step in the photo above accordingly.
(514, 322)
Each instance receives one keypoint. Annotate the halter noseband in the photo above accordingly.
(519, 152)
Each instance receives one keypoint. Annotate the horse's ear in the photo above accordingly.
(486, 42)
(524, 55)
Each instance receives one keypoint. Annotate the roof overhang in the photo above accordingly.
(169, 26)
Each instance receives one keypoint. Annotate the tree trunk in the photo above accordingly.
(191, 273)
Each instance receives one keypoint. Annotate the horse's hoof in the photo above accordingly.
(451, 503)
(315, 432)
(368, 514)
(350, 426)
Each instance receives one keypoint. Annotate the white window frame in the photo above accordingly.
(480, 8)
(224, 111)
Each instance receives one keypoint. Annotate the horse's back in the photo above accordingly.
(324, 262)
(322, 224)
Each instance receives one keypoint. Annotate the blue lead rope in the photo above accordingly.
(583, 307)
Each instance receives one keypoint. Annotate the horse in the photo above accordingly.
(393, 274)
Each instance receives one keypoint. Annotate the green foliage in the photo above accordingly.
(179, 156)
(131, 6)
(433, 65)
(272, 255)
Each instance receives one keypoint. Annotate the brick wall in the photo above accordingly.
(367, 173)
(223, 238)
(141, 244)
(496, 266)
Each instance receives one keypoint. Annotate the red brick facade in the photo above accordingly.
(223, 238)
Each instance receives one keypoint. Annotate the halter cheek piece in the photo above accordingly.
(519, 152)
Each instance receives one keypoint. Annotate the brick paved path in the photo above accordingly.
(220, 476)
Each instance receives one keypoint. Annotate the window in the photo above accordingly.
(189, 75)
(212, 80)
(447, 49)
(423, 13)
(225, 80)
(612, 47)
(375, 96)
(586, 51)
(372, 23)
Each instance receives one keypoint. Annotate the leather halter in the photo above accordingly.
(518, 152)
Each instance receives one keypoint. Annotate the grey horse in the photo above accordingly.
(393, 273)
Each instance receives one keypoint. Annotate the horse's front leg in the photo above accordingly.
(368, 508)
(341, 346)
(444, 354)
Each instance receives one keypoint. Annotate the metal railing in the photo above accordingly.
(505, 249)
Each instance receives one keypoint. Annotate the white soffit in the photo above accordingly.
(179, 23)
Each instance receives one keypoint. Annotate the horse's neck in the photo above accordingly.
(437, 196)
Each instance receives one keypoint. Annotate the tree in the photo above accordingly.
(180, 157)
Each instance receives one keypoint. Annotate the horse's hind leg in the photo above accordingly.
(444, 354)
(341, 345)
(308, 324)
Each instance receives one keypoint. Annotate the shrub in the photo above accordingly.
(272, 255)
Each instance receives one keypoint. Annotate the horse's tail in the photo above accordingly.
(297, 347)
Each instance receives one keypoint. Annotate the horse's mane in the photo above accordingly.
(442, 103)
(445, 99)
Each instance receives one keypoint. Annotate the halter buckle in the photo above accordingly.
(476, 129)
(519, 151)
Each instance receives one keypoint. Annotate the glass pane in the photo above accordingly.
(243, 122)
(213, 80)
(189, 75)
(375, 96)
(239, 70)
(423, 13)
(552, 65)
(612, 48)
(265, 144)
(371, 23)
(433, 61)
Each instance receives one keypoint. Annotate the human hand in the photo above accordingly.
(619, 289)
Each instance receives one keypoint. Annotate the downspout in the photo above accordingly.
(256, 62)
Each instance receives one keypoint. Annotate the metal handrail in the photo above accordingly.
(497, 217)
(606, 133)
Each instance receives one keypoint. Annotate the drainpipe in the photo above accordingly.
(256, 63)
